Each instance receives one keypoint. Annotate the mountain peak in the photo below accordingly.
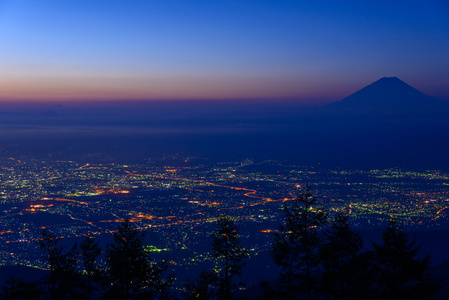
(390, 78)
(394, 78)
(392, 81)
(384, 95)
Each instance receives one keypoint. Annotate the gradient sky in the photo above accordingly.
(313, 50)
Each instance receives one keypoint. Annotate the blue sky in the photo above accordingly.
(312, 51)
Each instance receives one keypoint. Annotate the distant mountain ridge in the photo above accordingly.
(388, 94)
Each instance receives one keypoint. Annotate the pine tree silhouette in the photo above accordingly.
(296, 246)
(401, 274)
(64, 281)
(340, 258)
(92, 273)
(230, 253)
(130, 272)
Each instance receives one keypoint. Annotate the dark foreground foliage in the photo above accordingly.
(325, 260)
(129, 272)
(230, 256)
(319, 259)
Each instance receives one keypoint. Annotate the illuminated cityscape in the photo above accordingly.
(177, 203)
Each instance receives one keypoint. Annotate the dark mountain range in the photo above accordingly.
(386, 95)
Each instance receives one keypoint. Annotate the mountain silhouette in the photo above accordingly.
(386, 95)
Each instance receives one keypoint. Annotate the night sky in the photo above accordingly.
(311, 51)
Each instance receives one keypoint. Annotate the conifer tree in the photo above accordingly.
(401, 274)
(92, 272)
(64, 281)
(296, 247)
(340, 258)
(230, 254)
(131, 273)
